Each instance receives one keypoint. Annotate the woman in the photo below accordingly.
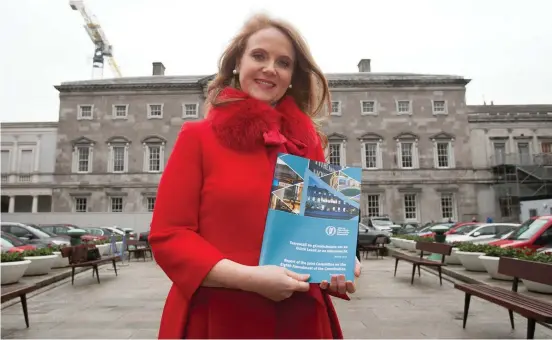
(212, 201)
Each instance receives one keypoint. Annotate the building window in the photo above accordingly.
(190, 110)
(83, 158)
(371, 155)
(403, 107)
(81, 204)
(116, 204)
(336, 108)
(118, 158)
(443, 152)
(120, 111)
(410, 207)
(524, 153)
(447, 206)
(499, 152)
(439, 107)
(118, 154)
(335, 153)
(25, 164)
(155, 110)
(546, 147)
(83, 151)
(368, 107)
(150, 203)
(373, 205)
(85, 112)
(154, 158)
(6, 165)
(407, 157)
(154, 154)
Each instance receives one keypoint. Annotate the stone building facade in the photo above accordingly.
(28, 156)
(513, 143)
(410, 132)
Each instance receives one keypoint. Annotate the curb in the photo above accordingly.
(450, 275)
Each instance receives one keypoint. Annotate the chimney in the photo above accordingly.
(364, 65)
(158, 69)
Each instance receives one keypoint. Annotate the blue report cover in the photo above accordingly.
(312, 222)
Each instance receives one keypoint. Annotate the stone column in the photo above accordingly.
(35, 204)
(11, 207)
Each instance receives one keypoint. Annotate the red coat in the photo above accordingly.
(211, 204)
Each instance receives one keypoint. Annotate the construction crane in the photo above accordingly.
(102, 47)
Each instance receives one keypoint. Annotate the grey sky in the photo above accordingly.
(504, 46)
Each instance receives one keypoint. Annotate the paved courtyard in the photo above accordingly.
(130, 305)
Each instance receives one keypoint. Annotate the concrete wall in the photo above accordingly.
(138, 221)
(542, 207)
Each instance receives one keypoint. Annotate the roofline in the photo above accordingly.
(410, 80)
(28, 125)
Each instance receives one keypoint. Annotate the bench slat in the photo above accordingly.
(514, 297)
(525, 305)
(95, 262)
(16, 290)
(417, 260)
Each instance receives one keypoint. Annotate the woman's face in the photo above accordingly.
(266, 67)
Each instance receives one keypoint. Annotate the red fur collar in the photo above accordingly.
(246, 123)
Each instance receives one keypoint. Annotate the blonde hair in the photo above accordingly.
(310, 86)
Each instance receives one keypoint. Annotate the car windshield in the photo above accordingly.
(39, 232)
(6, 243)
(465, 229)
(383, 223)
(528, 229)
(505, 231)
(12, 239)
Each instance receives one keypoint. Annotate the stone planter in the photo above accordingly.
(401, 243)
(471, 261)
(394, 242)
(409, 245)
(104, 249)
(12, 272)
(491, 266)
(453, 258)
(533, 287)
(60, 261)
(40, 265)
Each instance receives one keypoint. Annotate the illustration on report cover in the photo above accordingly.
(312, 222)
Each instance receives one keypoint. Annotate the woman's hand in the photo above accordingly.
(338, 283)
(276, 283)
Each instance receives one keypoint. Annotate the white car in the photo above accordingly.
(480, 232)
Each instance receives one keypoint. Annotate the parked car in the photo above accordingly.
(478, 232)
(380, 223)
(367, 235)
(99, 232)
(426, 232)
(62, 230)
(534, 233)
(499, 236)
(11, 244)
(31, 235)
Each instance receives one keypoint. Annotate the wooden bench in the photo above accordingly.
(432, 247)
(140, 249)
(533, 309)
(18, 290)
(79, 256)
(377, 247)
